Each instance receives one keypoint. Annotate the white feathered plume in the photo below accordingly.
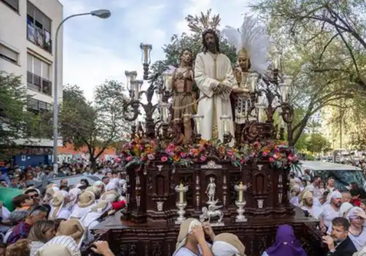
(253, 38)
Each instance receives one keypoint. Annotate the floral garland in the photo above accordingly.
(143, 151)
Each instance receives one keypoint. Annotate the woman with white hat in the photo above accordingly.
(191, 239)
(226, 244)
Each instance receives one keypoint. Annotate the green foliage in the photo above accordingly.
(188, 41)
(324, 61)
(15, 122)
(316, 143)
(96, 126)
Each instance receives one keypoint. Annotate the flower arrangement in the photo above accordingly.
(143, 151)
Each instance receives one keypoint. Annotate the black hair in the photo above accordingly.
(217, 41)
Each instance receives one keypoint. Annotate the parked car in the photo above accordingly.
(342, 174)
(75, 179)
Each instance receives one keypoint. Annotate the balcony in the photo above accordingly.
(39, 84)
(39, 37)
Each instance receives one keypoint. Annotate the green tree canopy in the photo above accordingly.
(315, 53)
(96, 126)
(316, 143)
(15, 122)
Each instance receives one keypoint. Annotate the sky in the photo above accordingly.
(98, 49)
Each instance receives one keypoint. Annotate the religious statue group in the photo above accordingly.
(224, 90)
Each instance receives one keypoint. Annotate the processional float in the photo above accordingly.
(241, 189)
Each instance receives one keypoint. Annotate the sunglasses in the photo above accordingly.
(34, 196)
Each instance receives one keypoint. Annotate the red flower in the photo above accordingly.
(256, 144)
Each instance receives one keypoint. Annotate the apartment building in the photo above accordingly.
(27, 43)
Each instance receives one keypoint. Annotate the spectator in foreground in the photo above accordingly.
(227, 244)
(41, 232)
(19, 248)
(22, 230)
(339, 244)
(285, 244)
(191, 240)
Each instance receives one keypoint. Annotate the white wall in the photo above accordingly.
(13, 34)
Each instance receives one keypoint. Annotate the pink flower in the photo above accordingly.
(265, 154)
(203, 158)
(275, 156)
(129, 158)
(150, 156)
(164, 159)
(169, 150)
(183, 155)
(256, 144)
(242, 161)
(290, 158)
(271, 160)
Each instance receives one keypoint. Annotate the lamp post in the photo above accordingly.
(103, 14)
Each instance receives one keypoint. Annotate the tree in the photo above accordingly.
(341, 23)
(322, 65)
(15, 122)
(96, 126)
(316, 143)
(191, 41)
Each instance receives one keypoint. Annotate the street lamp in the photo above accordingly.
(103, 14)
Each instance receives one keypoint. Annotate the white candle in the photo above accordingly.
(198, 126)
(240, 192)
(226, 128)
(260, 114)
(181, 194)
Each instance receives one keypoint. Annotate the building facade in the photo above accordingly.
(27, 49)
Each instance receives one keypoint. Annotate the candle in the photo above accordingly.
(241, 192)
(226, 128)
(181, 194)
(260, 114)
(164, 112)
(146, 54)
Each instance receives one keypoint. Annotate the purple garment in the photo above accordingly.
(286, 243)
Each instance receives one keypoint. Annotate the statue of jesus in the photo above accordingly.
(214, 77)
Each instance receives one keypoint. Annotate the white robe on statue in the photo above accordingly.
(207, 78)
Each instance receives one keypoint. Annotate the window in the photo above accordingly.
(38, 28)
(8, 54)
(38, 75)
(13, 4)
(37, 106)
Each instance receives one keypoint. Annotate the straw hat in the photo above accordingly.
(57, 199)
(228, 243)
(100, 206)
(72, 228)
(110, 196)
(86, 199)
(94, 190)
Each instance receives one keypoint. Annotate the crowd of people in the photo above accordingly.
(341, 213)
(60, 218)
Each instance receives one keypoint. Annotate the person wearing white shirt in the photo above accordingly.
(357, 231)
(191, 239)
(330, 210)
(307, 205)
